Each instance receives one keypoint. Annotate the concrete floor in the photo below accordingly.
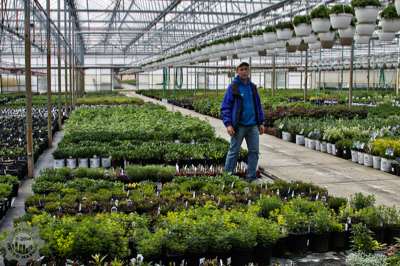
(25, 190)
(289, 161)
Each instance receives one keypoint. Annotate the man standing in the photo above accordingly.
(243, 117)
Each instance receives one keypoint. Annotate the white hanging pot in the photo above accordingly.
(312, 144)
(365, 29)
(360, 158)
(300, 140)
(340, 21)
(354, 156)
(280, 44)
(386, 165)
(315, 45)
(302, 29)
(334, 151)
(361, 39)
(317, 145)
(59, 163)
(312, 38)
(324, 147)
(326, 36)
(71, 163)
(307, 142)
(376, 162)
(270, 37)
(94, 162)
(397, 5)
(295, 41)
(390, 25)
(106, 162)
(368, 160)
(386, 36)
(347, 33)
(284, 34)
(366, 14)
(258, 40)
(83, 162)
(319, 25)
(247, 42)
(329, 148)
(286, 136)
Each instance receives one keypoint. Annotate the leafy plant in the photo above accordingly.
(269, 204)
(362, 259)
(5, 190)
(362, 240)
(358, 201)
(321, 11)
(389, 12)
(284, 25)
(341, 8)
(297, 20)
(270, 29)
(364, 3)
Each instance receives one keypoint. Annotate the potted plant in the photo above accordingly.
(397, 5)
(312, 38)
(270, 35)
(284, 30)
(293, 43)
(368, 158)
(315, 45)
(320, 19)
(327, 38)
(95, 162)
(71, 162)
(59, 159)
(322, 223)
(347, 35)
(361, 39)
(390, 20)
(341, 16)
(366, 10)
(258, 38)
(106, 162)
(365, 29)
(302, 25)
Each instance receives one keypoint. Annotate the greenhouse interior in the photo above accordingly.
(200, 132)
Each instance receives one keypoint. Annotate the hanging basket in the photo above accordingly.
(312, 38)
(327, 44)
(340, 21)
(347, 33)
(367, 14)
(361, 39)
(284, 34)
(258, 40)
(390, 25)
(315, 45)
(346, 41)
(295, 41)
(291, 48)
(302, 29)
(326, 36)
(386, 36)
(319, 25)
(303, 47)
(365, 29)
(270, 37)
(397, 5)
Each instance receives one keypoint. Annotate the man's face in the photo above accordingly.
(243, 72)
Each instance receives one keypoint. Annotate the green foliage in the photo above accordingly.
(362, 240)
(270, 29)
(359, 201)
(269, 204)
(284, 25)
(362, 259)
(364, 3)
(341, 8)
(321, 11)
(5, 190)
(137, 173)
(297, 20)
(109, 100)
(389, 12)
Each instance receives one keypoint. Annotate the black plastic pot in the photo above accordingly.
(391, 233)
(297, 243)
(379, 234)
(281, 247)
(262, 256)
(338, 241)
(319, 242)
(241, 257)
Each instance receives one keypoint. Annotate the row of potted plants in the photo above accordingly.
(372, 141)
(270, 218)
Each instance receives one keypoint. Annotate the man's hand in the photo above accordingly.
(261, 129)
(230, 130)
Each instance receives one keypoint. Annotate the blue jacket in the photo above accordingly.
(232, 105)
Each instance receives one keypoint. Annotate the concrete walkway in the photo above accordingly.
(45, 160)
(289, 161)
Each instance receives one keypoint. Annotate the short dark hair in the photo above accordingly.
(243, 64)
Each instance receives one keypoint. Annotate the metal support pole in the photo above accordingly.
(306, 78)
(342, 71)
(71, 72)
(369, 67)
(28, 84)
(49, 107)
(216, 79)
(351, 76)
(66, 58)
(319, 70)
(273, 81)
(301, 72)
(59, 66)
